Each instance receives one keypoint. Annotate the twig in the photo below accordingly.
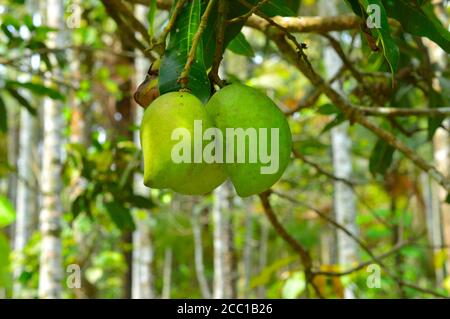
(300, 47)
(362, 265)
(160, 45)
(220, 38)
(350, 66)
(397, 112)
(321, 170)
(183, 79)
(375, 258)
(129, 16)
(125, 28)
(245, 16)
(297, 247)
(310, 99)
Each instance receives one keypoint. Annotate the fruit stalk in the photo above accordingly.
(183, 79)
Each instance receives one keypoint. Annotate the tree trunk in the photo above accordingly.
(248, 247)
(80, 133)
(198, 251)
(263, 244)
(26, 197)
(167, 274)
(125, 107)
(143, 277)
(26, 193)
(344, 198)
(224, 263)
(441, 141)
(13, 149)
(434, 224)
(51, 272)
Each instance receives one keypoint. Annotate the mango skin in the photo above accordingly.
(166, 113)
(240, 106)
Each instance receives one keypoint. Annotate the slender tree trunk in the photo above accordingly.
(167, 274)
(26, 193)
(344, 199)
(224, 262)
(442, 158)
(434, 224)
(13, 147)
(51, 272)
(125, 107)
(143, 277)
(441, 142)
(80, 133)
(263, 247)
(198, 251)
(26, 197)
(248, 248)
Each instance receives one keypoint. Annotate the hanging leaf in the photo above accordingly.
(3, 116)
(383, 32)
(7, 213)
(5, 273)
(356, 7)
(240, 45)
(340, 118)
(284, 8)
(328, 109)
(436, 100)
(21, 100)
(237, 9)
(176, 55)
(120, 216)
(139, 201)
(419, 21)
(38, 89)
(381, 157)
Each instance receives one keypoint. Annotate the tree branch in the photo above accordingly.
(297, 247)
(396, 112)
(351, 111)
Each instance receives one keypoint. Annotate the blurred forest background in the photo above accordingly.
(361, 212)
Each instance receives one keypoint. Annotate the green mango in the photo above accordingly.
(241, 107)
(171, 111)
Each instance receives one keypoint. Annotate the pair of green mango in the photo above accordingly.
(254, 157)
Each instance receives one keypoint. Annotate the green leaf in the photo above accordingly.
(236, 9)
(436, 100)
(284, 8)
(356, 7)
(5, 273)
(80, 205)
(21, 100)
(419, 21)
(3, 117)
(120, 215)
(390, 48)
(175, 57)
(340, 118)
(38, 89)
(139, 201)
(7, 213)
(264, 276)
(381, 157)
(328, 109)
(240, 45)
